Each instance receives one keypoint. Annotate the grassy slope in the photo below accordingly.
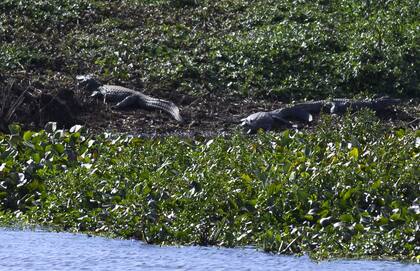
(286, 48)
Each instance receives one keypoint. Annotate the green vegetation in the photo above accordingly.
(350, 188)
(349, 191)
(291, 48)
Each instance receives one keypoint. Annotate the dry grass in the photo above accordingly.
(9, 103)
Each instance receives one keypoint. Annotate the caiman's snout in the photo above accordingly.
(259, 120)
(87, 82)
(245, 124)
(83, 79)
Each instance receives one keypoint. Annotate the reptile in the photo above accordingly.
(274, 119)
(126, 97)
(379, 104)
(304, 112)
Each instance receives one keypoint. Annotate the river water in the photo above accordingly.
(41, 250)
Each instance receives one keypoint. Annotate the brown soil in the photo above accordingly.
(205, 115)
(209, 115)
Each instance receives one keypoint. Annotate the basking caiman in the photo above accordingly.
(125, 97)
(303, 112)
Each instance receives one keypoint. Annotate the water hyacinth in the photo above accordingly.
(349, 189)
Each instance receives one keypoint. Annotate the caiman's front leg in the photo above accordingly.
(279, 121)
(127, 102)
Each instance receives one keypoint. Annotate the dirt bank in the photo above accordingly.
(34, 103)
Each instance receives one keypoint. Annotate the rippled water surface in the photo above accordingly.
(40, 250)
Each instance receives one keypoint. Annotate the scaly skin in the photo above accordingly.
(313, 107)
(379, 104)
(303, 112)
(274, 119)
(125, 97)
(316, 107)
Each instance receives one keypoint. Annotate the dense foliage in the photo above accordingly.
(349, 188)
(352, 190)
(291, 48)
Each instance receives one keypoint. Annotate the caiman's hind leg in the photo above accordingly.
(129, 101)
(283, 117)
(293, 113)
(279, 121)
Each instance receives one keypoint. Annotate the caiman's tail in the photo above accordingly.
(167, 106)
(379, 104)
(385, 102)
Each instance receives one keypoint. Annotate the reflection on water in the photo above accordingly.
(39, 250)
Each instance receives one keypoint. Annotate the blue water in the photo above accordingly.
(40, 250)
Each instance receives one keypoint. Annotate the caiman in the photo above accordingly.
(304, 112)
(124, 97)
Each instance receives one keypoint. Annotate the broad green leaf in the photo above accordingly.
(348, 194)
(14, 129)
(346, 218)
(376, 184)
(354, 153)
(396, 217)
(27, 135)
(59, 148)
(246, 177)
(359, 227)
